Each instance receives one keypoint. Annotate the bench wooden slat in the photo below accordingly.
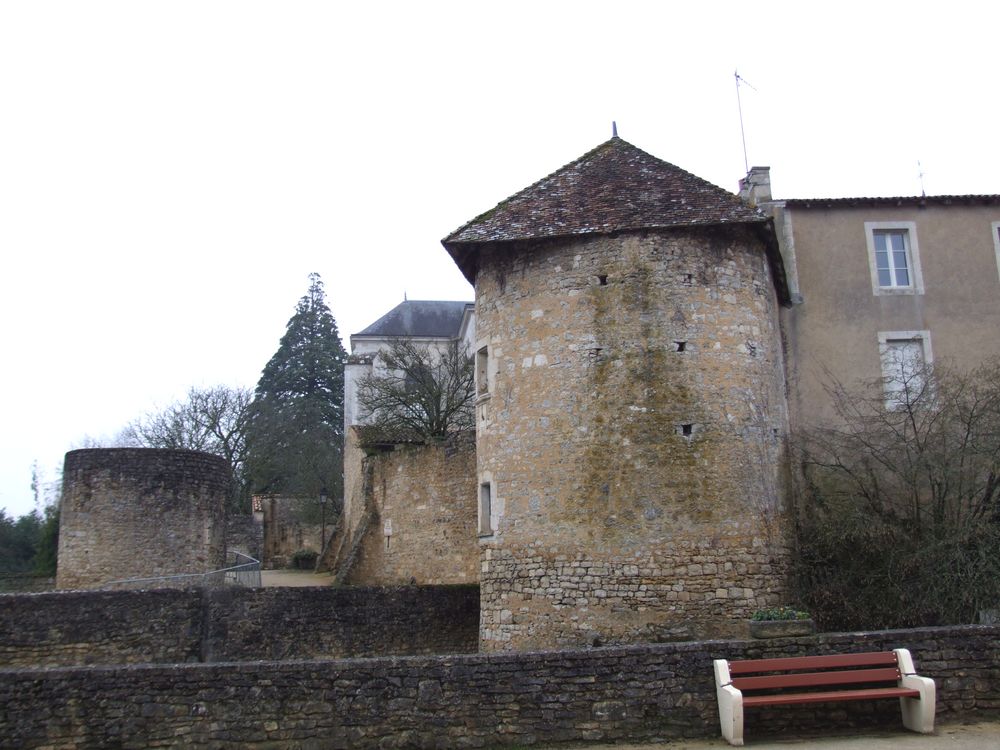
(835, 695)
(812, 679)
(868, 659)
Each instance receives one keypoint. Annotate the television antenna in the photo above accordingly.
(739, 104)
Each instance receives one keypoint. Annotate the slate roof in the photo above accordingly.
(612, 188)
(431, 318)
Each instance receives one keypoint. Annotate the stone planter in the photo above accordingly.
(781, 628)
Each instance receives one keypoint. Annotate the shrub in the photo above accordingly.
(780, 613)
(898, 518)
(304, 559)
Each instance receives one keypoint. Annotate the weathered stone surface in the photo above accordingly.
(234, 624)
(140, 512)
(424, 529)
(635, 693)
(100, 627)
(632, 435)
(781, 628)
(245, 534)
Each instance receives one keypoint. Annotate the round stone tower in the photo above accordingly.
(140, 512)
(631, 410)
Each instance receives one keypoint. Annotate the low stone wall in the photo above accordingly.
(100, 627)
(25, 582)
(636, 693)
(311, 623)
(234, 624)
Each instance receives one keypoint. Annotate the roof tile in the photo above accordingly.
(612, 188)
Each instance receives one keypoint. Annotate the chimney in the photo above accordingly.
(755, 188)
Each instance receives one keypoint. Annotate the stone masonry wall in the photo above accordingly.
(245, 534)
(425, 530)
(635, 693)
(100, 627)
(140, 512)
(25, 582)
(311, 623)
(632, 438)
(234, 624)
(292, 524)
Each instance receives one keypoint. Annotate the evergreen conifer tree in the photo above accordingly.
(295, 437)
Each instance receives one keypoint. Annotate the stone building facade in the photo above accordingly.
(140, 512)
(409, 508)
(631, 416)
(290, 525)
(644, 343)
(422, 528)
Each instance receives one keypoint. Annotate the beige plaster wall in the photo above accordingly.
(834, 332)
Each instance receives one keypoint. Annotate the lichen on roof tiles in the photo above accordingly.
(614, 187)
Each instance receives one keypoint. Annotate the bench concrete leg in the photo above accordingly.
(731, 714)
(918, 713)
(730, 704)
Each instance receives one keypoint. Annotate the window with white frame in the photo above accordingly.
(893, 257)
(996, 241)
(905, 356)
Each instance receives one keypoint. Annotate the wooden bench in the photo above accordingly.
(821, 679)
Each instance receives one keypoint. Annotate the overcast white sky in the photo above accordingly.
(171, 172)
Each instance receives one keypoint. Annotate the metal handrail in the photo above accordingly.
(243, 574)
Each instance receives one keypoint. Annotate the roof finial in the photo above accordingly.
(404, 296)
(614, 129)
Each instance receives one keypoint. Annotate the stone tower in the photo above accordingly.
(140, 512)
(631, 410)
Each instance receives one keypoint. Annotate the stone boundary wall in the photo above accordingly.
(638, 693)
(424, 496)
(234, 624)
(100, 627)
(25, 582)
(311, 623)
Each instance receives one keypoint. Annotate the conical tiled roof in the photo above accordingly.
(612, 188)
(616, 187)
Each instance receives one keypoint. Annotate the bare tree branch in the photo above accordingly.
(420, 392)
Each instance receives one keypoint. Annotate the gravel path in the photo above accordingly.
(294, 578)
(981, 736)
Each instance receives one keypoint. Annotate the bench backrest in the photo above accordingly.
(815, 671)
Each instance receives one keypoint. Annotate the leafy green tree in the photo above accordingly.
(19, 541)
(295, 437)
(47, 546)
(421, 393)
